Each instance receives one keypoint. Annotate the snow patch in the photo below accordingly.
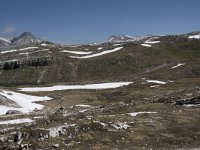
(98, 54)
(194, 36)
(100, 48)
(24, 101)
(191, 105)
(177, 66)
(154, 86)
(16, 121)
(151, 42)
(27, 48)
(56, 131)
(129, 36)
(43, 44)
(8, 51)
(156, 81)
(77, 87)
(121, 125)
(82, 111)
(82, 105)
(76, 52)
(117, 44)
(38, 117)
(146, 45)
(133, 114)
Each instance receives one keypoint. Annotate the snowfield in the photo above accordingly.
(16, 121)
(76, 52)
(77, 87)
(25, 102)
(194, 36)
(98, 54)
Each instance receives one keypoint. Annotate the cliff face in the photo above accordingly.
(14, 64)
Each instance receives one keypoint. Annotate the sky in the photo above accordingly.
(89, 21)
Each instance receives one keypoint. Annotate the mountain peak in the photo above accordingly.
(118, 38)
(26, 38)
(27, 34)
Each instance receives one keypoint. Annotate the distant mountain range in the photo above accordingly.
(27, 38)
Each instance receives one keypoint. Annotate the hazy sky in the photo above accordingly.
(87, 21)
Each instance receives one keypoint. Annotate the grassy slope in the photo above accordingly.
(131, 62)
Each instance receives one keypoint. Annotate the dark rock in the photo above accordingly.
(10, 112)
(193, 101)
(18, 137)
(61, 108)
(39, 61)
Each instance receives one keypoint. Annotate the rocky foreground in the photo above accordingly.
(123, 118)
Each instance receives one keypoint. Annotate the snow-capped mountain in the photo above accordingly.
(26, 38)
(124, 38)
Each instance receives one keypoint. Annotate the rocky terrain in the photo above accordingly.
(125, 93)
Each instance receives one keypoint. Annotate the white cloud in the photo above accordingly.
(9, 29)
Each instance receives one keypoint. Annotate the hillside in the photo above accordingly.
(26, 64)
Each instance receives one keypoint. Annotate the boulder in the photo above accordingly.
(10, 112)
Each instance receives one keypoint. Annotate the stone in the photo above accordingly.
(10, 112)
